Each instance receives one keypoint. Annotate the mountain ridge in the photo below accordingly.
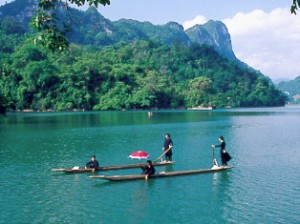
(106, 32)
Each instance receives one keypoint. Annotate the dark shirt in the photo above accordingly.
(167, 143)
(92, 164)
(148, 170)
(222, 145)
(225, 157)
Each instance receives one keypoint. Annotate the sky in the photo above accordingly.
(264, 34)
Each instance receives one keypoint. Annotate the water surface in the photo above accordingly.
(262, 188)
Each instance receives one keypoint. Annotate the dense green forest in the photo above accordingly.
(140, 74)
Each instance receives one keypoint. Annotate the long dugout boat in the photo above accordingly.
(162, 174)
(104, 168)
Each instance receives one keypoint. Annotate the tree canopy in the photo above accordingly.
(51, 30)
(141, 74)
(295, 6)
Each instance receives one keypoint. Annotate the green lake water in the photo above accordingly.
(264, 186)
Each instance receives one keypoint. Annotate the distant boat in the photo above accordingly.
(201, 108)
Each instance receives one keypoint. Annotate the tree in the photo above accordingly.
(294, 7)
(199, 92)
(51, 30)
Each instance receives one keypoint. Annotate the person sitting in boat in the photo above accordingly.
(225, 157)
(93, 163)
(148, 169)
(168, 145)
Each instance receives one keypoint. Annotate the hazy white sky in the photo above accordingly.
(264, 34)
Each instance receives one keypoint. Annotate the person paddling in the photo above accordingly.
(225, 157)
(168, 145)
(93, 163)
(148, 169)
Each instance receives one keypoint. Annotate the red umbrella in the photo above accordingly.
(139, 155)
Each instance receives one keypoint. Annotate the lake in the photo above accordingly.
(263, 187)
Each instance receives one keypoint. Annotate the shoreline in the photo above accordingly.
(146, 110)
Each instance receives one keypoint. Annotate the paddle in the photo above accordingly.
(215, 163)
(158, 158)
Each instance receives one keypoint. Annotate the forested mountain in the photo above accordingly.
(292, 89)
(91, 28)
(125, 65)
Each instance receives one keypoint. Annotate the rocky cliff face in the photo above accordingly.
(93, 29)
(215, 34)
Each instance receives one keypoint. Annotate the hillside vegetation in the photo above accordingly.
(127, 73)
(292, 89)
(139, 75)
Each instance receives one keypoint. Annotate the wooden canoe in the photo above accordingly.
(162, 174)
(104, 168)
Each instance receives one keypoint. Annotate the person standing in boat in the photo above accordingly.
(148, 169)
(93, 163)
(168, 145)
(225, 157)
